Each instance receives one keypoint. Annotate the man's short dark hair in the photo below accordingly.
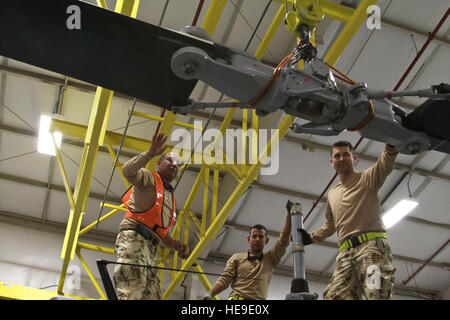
(343, 143)
(258, 227)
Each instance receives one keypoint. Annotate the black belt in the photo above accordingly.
(146, 234)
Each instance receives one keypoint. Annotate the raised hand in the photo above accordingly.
(157, 147)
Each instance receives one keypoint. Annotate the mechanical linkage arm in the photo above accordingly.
(312, 93)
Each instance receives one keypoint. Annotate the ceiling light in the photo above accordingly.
(45, 143)
(400, 210)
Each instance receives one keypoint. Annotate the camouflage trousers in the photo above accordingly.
(135, 283)
(364, 272)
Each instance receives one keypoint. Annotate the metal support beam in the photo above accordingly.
(89, 273)
(203, 278)
(213, 15)
(82, 186)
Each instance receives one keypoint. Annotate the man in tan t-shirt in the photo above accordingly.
(364, 264)
(249, 273)
(151, 214)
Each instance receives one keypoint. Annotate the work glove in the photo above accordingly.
(305, 237)
(289, 206)
(182, 248)
(207, 297)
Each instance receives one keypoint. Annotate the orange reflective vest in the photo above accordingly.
(153, 217)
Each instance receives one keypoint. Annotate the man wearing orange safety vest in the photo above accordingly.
(151, 213)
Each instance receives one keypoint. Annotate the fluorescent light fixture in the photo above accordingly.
(400, 210)
(45, 143)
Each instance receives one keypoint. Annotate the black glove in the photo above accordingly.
(289, 206)
(305, 237)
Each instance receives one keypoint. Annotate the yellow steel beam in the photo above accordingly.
(113, 206)
(196, 223)
(102, 3)
(176, 234)
(229, 163)
(127, 7)
(205, 202)
(94, 247)
(160, 119)
(161, 271)
(186, 232)
(62, 170)
(15, 292)
(203, 278)
(213, 14)
(79, 131)
(244, 135)
(95, 135)
(223, 214)
(114, 139)
(102, 103)
(254, 138)
(350, 29)
(103, 218)
(71, 237)
(84, 179)
(194, 190)
(91, 276)
(273, 28)
(215, 194)
(244, 141)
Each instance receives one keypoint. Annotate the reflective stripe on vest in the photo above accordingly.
(153, 217)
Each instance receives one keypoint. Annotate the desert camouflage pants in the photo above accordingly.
(364, 272)
(135, 283)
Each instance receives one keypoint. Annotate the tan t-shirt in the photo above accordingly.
(143, 195)
(239, 265)
(353, 205)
